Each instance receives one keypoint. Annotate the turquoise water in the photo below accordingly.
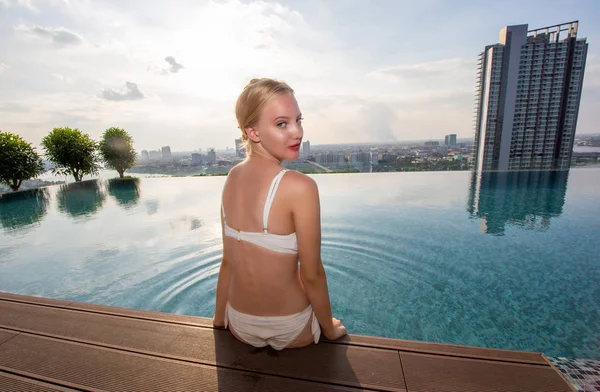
(504, 261)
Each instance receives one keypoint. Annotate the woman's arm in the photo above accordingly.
(222, 284)
(306, 212)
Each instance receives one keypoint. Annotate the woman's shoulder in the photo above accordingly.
(300, 183)
(234, 171)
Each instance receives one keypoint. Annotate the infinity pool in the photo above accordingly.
(502, 260)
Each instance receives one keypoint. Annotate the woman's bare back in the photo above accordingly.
(263, 282)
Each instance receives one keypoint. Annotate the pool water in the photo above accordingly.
(498, 260)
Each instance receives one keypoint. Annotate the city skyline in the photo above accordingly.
(363, 73)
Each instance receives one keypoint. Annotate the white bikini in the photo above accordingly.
(276, 331)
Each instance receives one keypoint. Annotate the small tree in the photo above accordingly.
(117, 150)
(73, 152)
(18, 161)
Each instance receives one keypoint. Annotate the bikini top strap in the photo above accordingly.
(270, 197)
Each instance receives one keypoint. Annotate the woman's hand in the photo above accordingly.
(337, 332)
(218, 323)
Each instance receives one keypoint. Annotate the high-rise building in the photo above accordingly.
(527, 100)
(211, 156)
(166, 152)
(155, 154)
(450, 140)
(374, 158)
(145, 156)
(306, 148)
(196, 159)
(240, 150)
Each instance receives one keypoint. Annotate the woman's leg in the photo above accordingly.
(305, 338)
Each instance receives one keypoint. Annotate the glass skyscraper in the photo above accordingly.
(527, 98)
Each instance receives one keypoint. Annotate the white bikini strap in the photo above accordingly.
(270, 197)
(222, 204)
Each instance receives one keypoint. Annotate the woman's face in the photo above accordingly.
(280, 128)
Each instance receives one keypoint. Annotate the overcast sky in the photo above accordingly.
(169, 73)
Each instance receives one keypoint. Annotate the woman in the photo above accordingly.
(272, 289)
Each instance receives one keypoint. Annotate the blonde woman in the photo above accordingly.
(272, 289)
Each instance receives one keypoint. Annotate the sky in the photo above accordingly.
(169, 72)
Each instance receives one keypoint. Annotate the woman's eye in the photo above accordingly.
(299, 121)
(282, 124)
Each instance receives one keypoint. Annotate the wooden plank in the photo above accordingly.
(144, 314)
(14, 383)
(363, 341)
(339, 364)
(444, 349)
(432, 373)
(6, 335)
(88, 367)
(112, 310)
(32, 299)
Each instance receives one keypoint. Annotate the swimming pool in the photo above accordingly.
(503, 260)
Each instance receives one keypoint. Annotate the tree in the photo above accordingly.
(18, 161)
(117, 150)
(73, 152)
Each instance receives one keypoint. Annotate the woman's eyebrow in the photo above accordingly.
(285, 117)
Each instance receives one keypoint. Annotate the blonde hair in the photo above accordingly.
(256, 94)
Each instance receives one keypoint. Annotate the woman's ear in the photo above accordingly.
(252, 134)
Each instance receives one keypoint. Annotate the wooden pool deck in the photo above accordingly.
(53, 345)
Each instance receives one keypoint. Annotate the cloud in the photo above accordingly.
(60, 35)
(174, 65)
(12, 107)
(434, 69)
(63, 78)
(2, 67)
(132, 93)
(4, 4)
(28, 4)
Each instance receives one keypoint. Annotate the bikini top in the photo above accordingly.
(275, 242)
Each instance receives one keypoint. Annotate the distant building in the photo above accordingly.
(374, 158)
(330, 158)
(145, 156)
(450, 140)
(155, 155)
(166, 152)
(432, 144)
(306, 148)
(387, 157)
(527, 100)
(362, 157)
(240, 150)
(196, 159)
(211, 156)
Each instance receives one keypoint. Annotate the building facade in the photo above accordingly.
(450, 140)
(240, 149)
(527, 99)
(166, 152)
(306, 149)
